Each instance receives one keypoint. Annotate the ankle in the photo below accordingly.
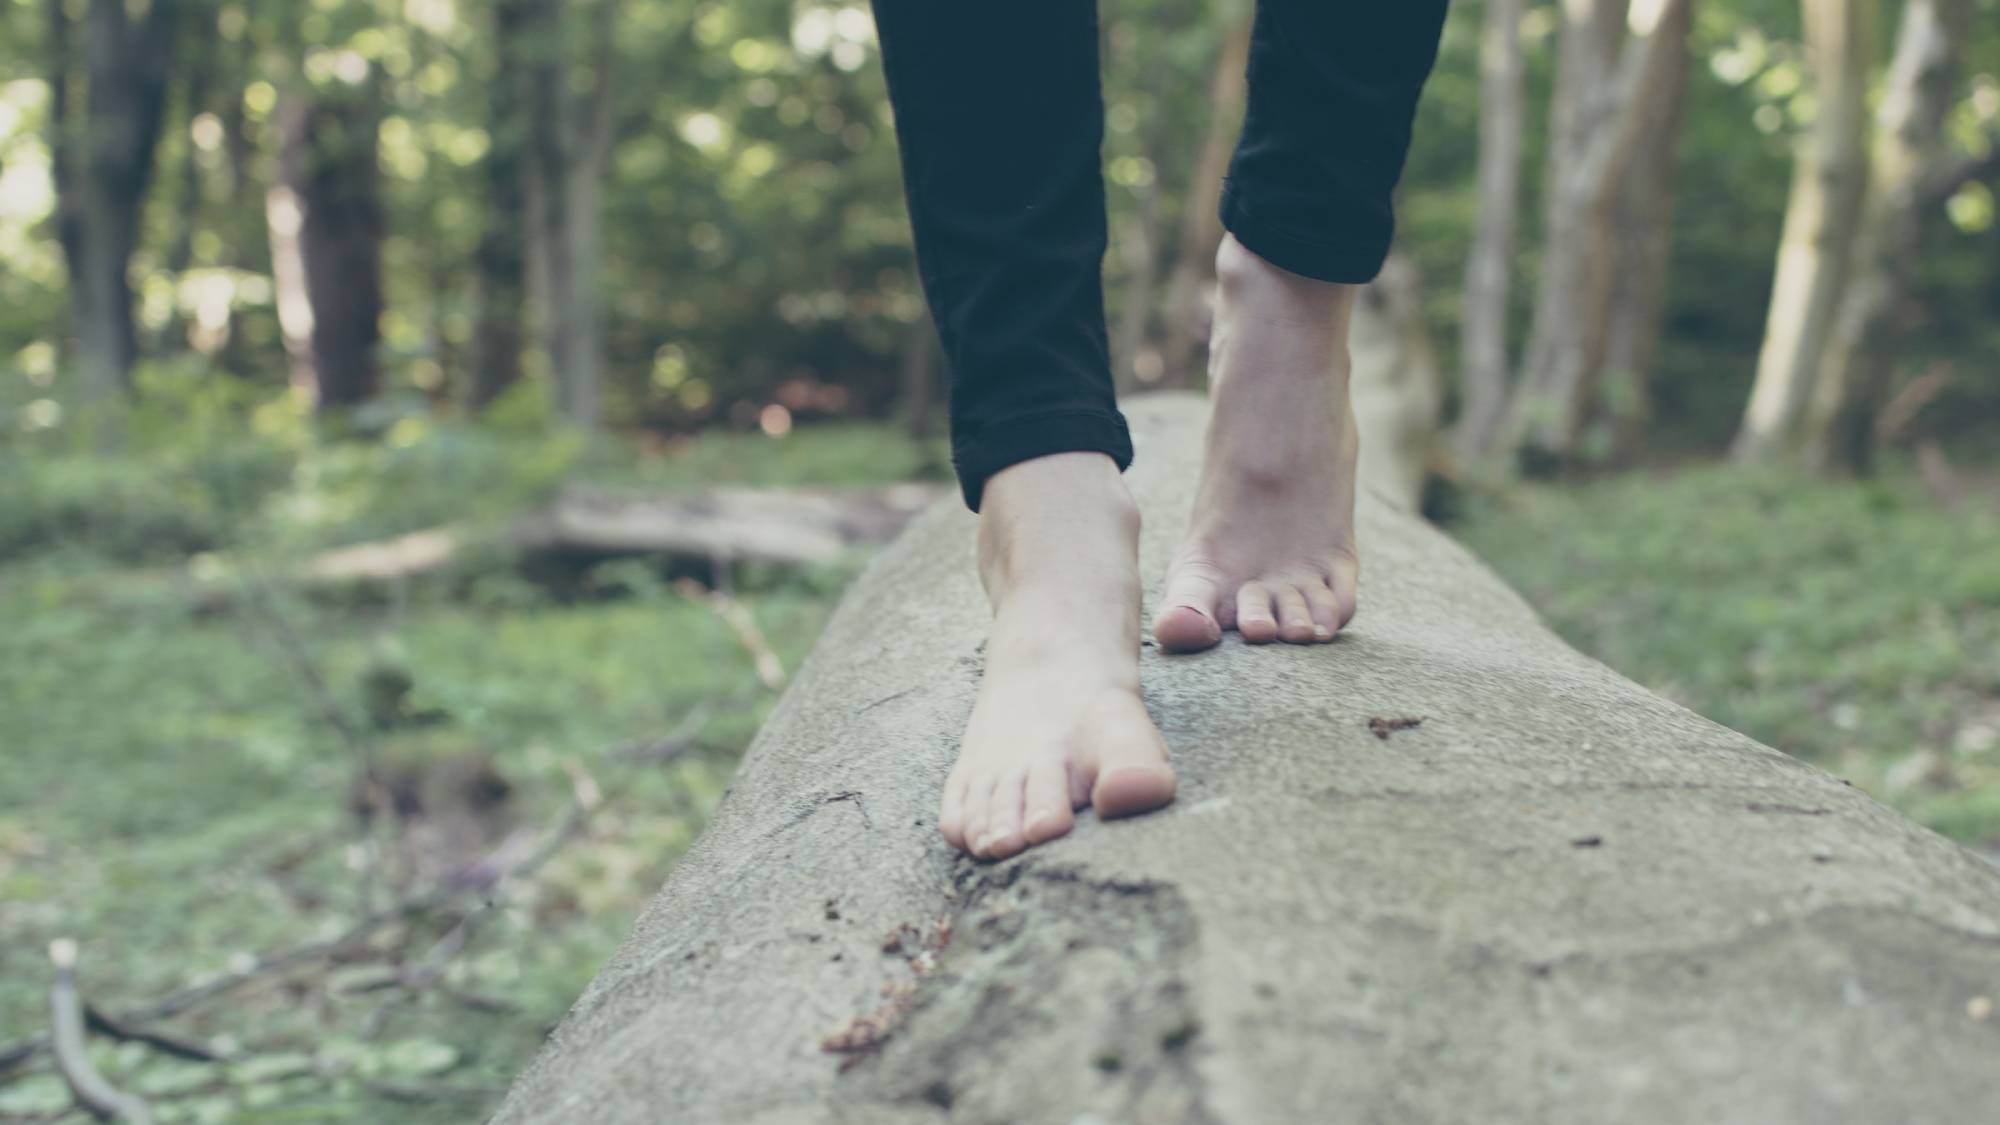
(1067, 518)
(1247, 282)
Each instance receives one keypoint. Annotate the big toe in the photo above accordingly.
(1186, 620)
(1183, 628)
(1132, 775)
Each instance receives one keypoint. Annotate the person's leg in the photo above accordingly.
(1269, 551)
(999, 119)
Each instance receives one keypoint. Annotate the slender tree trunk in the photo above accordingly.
(1395, 382)
(501, 260)
(918, 393)
(325, 218)
(1909, 150)
(1489, 268)
(1829, 182)
(1642, 246)
(1606, 75)
(105, 156)
(1135, 317)
(566, 156)
(197, 73)
(1189, 305)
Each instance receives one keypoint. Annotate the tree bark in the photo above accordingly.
(1396, 388)
(1605, 79)
(1141, 246)
(197, 73)
(1829, 182)
(104, 155)
(1910, 151)
(1540, 894)
(326, 226)
(1189, 302)
(916, 395)
(1489, 268)
(568, 147)
(1642, 248)
(501, 261)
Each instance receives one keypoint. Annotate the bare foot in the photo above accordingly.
(1270, 547)
(1058, 723)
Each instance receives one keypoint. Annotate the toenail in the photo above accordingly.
(1321, 632)
(980, 845)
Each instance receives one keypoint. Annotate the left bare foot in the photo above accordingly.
(1270, 548)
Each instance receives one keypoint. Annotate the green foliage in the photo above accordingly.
(1856, 627)
(176, 796)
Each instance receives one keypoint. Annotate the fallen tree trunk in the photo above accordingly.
(1445, 869)
(788, 527)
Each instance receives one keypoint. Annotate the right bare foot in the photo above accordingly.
(1058, 723)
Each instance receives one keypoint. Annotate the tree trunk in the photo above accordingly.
(1395, 384)
(500, 261)
(1909, 150)
(1130, 362)
(1442, 870)
(566, 153)
(916, 397)
(326, 228)
(1829, 181)
(1189, 303)
(1605, 79)
(1489, 267)
(104, 156)
(196, 74)
(1642, 248)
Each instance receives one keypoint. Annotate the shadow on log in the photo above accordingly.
(1443, 870)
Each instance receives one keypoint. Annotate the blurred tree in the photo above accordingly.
(1188, 304)
(500, 262)
(1489, 268)
(102, 153)
(1611, 64)
(1829, 180)
(569, 144)
(1913, 170)
(325, 213)
(1642, 227)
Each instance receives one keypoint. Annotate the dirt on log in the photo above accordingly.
(1445, 869)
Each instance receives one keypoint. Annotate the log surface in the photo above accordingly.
(1559, 898)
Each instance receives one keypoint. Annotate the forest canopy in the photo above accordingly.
(668, 214)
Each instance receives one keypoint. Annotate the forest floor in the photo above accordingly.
(179, 792)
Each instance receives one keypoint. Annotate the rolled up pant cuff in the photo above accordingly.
(1350, 262)
(1011, 442)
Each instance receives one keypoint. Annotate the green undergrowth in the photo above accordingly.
(1856, 626)
(180, 787)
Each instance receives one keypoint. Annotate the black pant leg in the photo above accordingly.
(1000, 120)
(1333, 88)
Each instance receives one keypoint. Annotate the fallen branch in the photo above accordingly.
(770, 670)
(104, 1101)
(483, 877)
(105, 1024)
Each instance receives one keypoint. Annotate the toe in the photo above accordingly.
(1253, 614)
(1128, 759)
(1327, 616)
(1045, 807)
(1295, 620)
(1003, 824)
(1186, 619)
(951, 811)
(1344, 577)
(978, 806)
